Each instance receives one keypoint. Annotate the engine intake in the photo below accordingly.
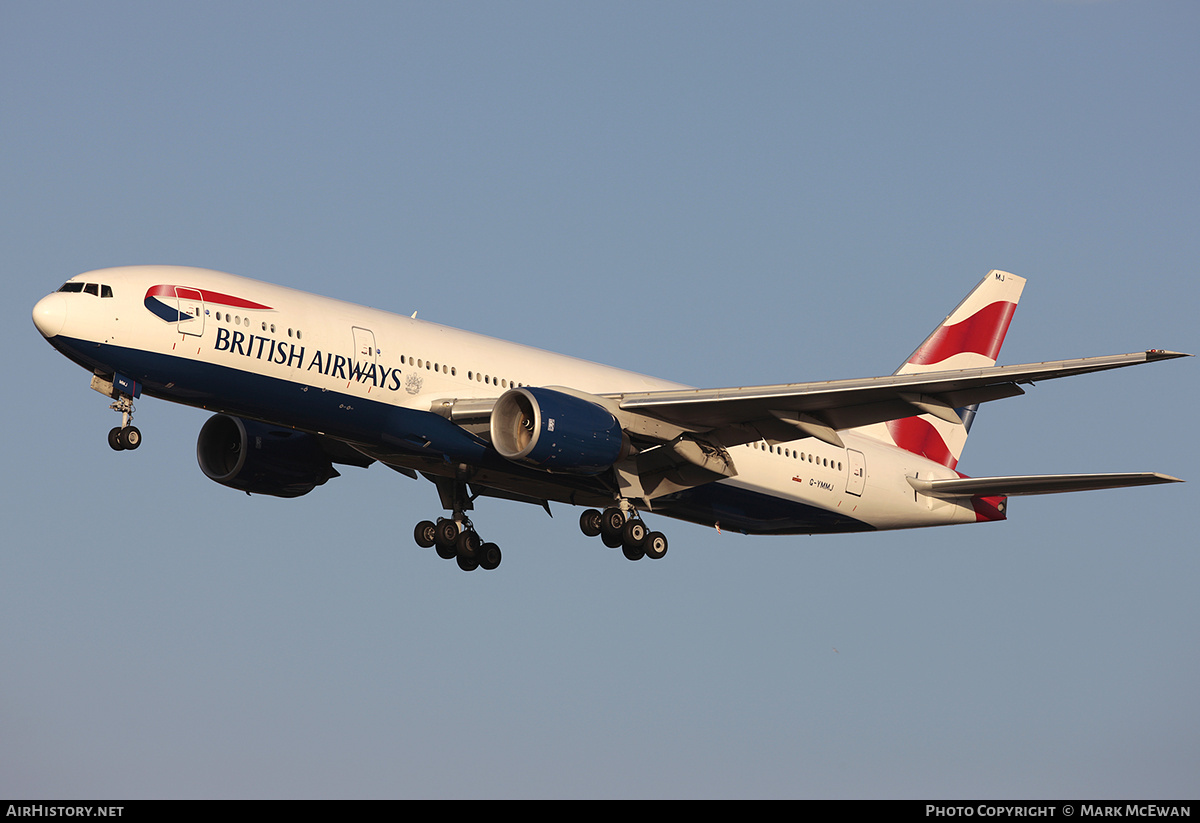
(261, 459)
(556, 432)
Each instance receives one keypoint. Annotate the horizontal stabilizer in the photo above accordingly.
(1036, 484)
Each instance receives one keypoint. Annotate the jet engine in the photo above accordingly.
(556, 432)
(260, 458)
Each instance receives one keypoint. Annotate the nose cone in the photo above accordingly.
(50, 314)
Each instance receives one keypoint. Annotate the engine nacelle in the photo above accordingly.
(260, 458)
(556, 432)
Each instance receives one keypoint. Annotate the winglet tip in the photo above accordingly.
(1165, 354)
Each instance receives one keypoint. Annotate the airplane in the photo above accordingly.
(300, 382)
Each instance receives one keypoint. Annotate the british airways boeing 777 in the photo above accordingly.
(300, 383)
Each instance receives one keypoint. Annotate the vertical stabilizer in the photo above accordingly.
(969, 338)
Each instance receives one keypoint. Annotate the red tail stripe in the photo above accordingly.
(981, 333)
(988, 509)
(919, 437)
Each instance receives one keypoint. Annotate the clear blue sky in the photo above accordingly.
(719, 194)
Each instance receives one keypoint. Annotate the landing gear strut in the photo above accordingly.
(126, 436)
(620, 528)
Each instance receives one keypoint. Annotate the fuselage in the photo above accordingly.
(374, 380)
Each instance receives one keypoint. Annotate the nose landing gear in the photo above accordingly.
(122, 391)
(126, 436)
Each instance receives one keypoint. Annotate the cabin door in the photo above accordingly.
(190, 303)
(365, 353)
(856, 479)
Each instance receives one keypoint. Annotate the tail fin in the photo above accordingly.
(970, 337)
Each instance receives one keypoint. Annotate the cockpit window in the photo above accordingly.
(95, 289)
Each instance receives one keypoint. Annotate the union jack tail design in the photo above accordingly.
(969, 338)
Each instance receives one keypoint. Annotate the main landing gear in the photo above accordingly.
(126, 436)
(622, 529)
(456, 539)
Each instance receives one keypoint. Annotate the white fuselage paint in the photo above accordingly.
(462, 358)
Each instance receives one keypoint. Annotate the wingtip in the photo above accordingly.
(1164, 354)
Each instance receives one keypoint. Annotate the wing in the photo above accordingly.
(794, 410)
